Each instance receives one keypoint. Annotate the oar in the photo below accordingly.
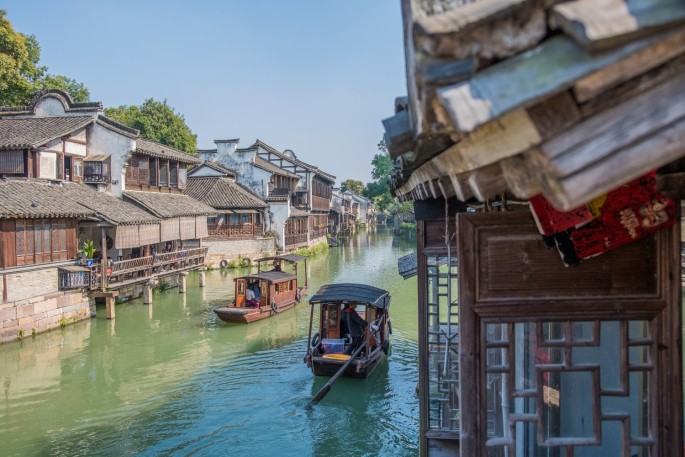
(325, 389)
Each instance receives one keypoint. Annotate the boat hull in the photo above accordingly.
(247, 315)
(359, 369)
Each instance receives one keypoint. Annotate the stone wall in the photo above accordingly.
(24, 317)
(230, 249)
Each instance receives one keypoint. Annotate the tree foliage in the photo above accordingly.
(378, 190)
(21, 76)
(157, 121)
(353, 185)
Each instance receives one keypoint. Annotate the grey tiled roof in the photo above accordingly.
(108, 207)
(152, 149)
(222, 193)
(25, 198)
(214, 166)
(407, 265)
(37, 131)
(169, 205)
(31, 198)
(304, 165)
(271, 168)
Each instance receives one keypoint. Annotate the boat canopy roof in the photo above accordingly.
(352, 293)
(272, 276)
(294, 258)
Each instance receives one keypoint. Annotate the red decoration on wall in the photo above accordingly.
(623, 215)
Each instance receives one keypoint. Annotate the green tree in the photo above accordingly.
(378, 190)
(157, 121)
(19, 69)
(352, 185)
(76, 90)
(21, 76)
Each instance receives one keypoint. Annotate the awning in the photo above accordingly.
(126, 237)
(170, 229)
(96, 157)
(188, 228)
(201, 230)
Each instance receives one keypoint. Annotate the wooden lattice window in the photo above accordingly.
(569, 388)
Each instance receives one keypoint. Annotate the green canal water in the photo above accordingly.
(171, 379)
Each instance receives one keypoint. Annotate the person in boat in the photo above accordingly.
(250, 296)
(355, 324)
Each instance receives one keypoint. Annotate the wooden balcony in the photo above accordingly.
(321, 203)
(318, 233)
(295, 240)
(142, 269)
(234, 231)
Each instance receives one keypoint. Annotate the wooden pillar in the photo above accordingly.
(103, 260)
(147, 292)
(203, 279)
(182, 282)
(109, 305)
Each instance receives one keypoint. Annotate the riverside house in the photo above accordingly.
(239, 225)
(566, 105)
(298, 194)
(87, 162)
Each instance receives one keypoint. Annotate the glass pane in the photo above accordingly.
(496, 357)
(496, 333)
(552, 332)
(582, 331)
(638, 330)
(563, 416)
(638, 355)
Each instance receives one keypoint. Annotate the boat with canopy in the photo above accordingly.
(267, 292)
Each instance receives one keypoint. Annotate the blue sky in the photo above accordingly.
(314, 76)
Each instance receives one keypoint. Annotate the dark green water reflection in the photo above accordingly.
(171, 379)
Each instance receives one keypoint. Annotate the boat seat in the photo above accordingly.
(333, 345)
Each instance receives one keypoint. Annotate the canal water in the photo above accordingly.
(171, 379)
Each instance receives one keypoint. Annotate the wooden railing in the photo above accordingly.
(235, 231)
(318, 233)
(141, 268)
(295, 239)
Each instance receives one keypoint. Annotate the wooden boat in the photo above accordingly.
(274, 291)
(331, 347)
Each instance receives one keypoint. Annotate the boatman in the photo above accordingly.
(355, 324)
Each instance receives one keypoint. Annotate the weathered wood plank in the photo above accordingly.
(398, 134)
(485, 29)
(598, 25)
(554, 114)
(521, 174)
(616, 128)
(594, 84)
(628, 163)
(487, 182)
(629, 89)
(526, 79)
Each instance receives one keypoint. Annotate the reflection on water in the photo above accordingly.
(172, 379)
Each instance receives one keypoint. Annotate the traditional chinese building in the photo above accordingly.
(570, 106)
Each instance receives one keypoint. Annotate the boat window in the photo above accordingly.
(241, 287)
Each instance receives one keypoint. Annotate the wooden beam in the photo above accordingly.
(484, 29)
(600, 25)
(623, 70)
(554, 114)
(628, 163)
(398, 134)
(527, 78)
(619, 127)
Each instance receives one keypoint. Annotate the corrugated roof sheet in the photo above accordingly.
(169, 205)
(222, 193)
(152, 149)
(37, 131)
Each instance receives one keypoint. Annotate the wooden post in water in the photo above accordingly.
(203, 279)
(109, 306)
(147, 292)
(182, 282)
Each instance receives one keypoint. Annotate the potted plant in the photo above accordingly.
(88, 250)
